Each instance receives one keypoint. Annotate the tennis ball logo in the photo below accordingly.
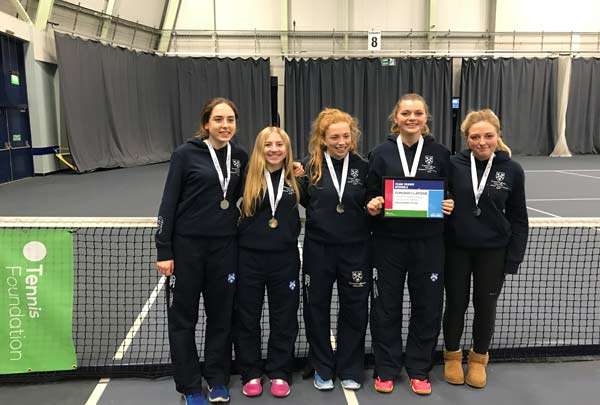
(35, 251)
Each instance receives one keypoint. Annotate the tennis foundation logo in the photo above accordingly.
(23, 282)
(36, 299)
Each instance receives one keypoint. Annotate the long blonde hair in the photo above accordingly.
(485, 115)
(255, 188)
(395, 129)
(316, 144)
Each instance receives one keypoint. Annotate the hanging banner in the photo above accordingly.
(36, 300)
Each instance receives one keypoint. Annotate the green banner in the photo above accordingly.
(36, 300)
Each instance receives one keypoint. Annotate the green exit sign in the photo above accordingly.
(388, 61)
(14, 79)
(16, 138)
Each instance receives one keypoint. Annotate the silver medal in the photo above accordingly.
(273, 223)
(478, 188)
(339, 188)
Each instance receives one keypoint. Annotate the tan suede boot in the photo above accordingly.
(476, 364)
(453, 371)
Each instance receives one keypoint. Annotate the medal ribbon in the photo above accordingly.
(338, 189)
(274, 200)
(223, 181)
(415, 165)
(477, 191)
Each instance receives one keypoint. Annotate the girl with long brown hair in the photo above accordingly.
(197, 247)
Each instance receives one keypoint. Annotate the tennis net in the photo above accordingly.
(549, 309)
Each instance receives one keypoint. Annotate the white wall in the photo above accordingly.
(42, 109)
(7, 7)
(20, 28)
(388, 15)
(316, 15)
(231, 15)
(195, 15)
(363, 15)
(147, 12)
(548, 15)
(97, 5)
(460, 15)
(327, 15)
(248, 15)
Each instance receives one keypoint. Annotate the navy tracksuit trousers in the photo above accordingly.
(278, 271)
(207, 266)
(421, 262)
(348, 265)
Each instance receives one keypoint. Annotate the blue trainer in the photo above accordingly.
(321, 384)
(195, 399)
(350, 384)
(218, 393)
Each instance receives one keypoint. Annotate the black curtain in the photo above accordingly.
(583, 111)
(368, 90)
(123, 108)
(522, 92)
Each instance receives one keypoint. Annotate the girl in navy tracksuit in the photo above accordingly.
(406, 247)
(335, 249)
(486, 238)
(268, 257)
(196, 245)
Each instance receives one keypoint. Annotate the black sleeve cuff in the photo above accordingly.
(164, 253)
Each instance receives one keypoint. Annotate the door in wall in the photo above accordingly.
(16, 160)
(5, 163)
(19, 137)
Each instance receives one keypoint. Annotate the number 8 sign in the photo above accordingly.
(374, 41)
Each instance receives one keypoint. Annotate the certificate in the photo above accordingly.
(410, 197)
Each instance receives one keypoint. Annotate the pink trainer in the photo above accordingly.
(421, 387)
(252, 388)
(280, 388)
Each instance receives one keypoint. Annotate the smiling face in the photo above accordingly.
(338, 139)
(221, 125)
(275, 151)
(482, 140)
(411, 119)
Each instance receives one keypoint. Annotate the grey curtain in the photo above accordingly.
(123, 108)
(583, 111)
(522, 92)
(367, 90)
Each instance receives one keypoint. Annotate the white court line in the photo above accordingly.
(349, 394)
(98, 391)
(140, 319)
(543, 212)
(102, 384)
(350, 397)
(332, 340)
(577, 174)
(564, 199)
